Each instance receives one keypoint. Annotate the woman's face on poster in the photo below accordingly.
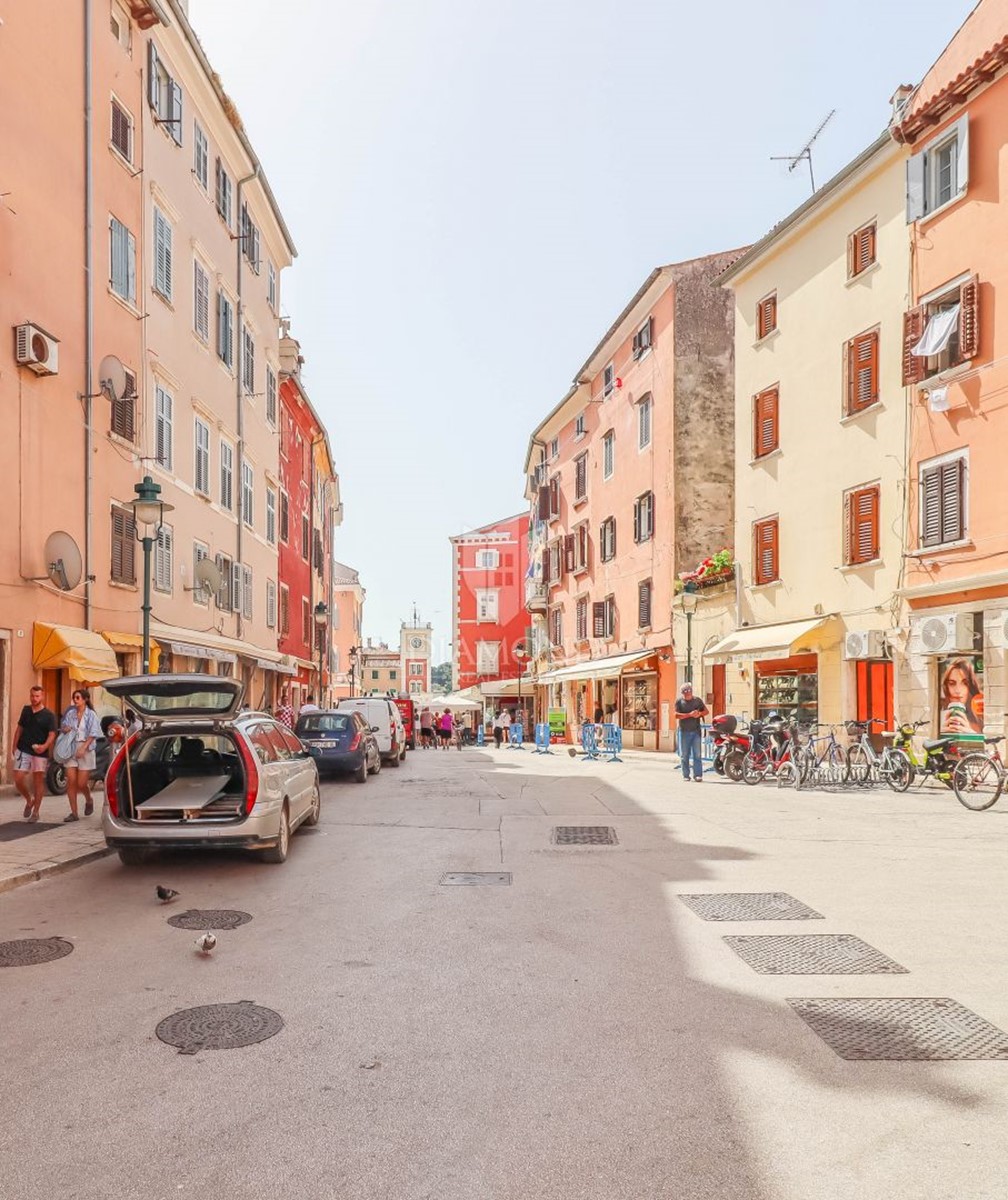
(957, 686)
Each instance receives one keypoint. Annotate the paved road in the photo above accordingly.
(580, 1033)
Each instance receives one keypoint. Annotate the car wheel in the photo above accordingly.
(402, 757)
(377, 764)
(394, 761)
(362, 771)
(315, 811)
(133, 856)
(56, 781)
(278, 853)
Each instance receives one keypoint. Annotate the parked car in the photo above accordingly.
(200, 774)
(386, 724)
(340, 742)
(407, 712)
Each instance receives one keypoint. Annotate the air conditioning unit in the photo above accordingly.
(866, 643)
(948, 634)
(36, 349)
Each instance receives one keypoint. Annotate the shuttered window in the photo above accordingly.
(644, 422)
(163, 405)
(162, 255)
(271, 396)
(581, 619)
(201, 302)
(861, 525)
(164, 95)
(201, 466)
(608, 380)
(249, 235)
(164, 555)
(862, 371)
(123, 545)
(271, 286)
(284, 518)
(122, 131)
(225, 330)
(284, 628)
(765, 550)
(225, 599)
(960, 344)
(123, 411)
(581, 541)
(248, 361)
(643, 338)
(766, 427)
(644, 517)
(599, 619)
(201, 156)
(943, 502)
(644, 604)
(271, 604)
(607, 539)
(122, 261)
(226, 476)
(581, 477)
(861, 250)
(246, 578)
(608, 454)
(200, 594)
(248, 494)
(222, 192)
(766, 315)
(271, 499)
(556, 627)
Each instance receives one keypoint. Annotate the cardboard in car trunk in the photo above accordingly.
(188, 792)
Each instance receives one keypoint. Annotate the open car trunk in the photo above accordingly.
(179, 778)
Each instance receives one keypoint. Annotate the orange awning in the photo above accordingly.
(82, 653)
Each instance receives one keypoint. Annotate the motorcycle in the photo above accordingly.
(730, 747)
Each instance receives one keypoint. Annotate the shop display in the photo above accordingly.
(640, 702)
(792, 694)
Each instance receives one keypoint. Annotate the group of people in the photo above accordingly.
(284, 711)
(437, 728)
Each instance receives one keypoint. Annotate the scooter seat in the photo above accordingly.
(939, 743)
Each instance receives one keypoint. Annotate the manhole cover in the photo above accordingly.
(584, 835)
(219, 1027)
(27, 952)
(902, 1029)
(813, 954)
(750, 906)
(210, 918)
(491, 878)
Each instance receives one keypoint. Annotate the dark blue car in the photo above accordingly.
(340, 742)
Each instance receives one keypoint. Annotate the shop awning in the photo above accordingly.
(456, 700)
(507, 687)
(127, 643)
(767, 640)
(595, 668)
(191, 650)
(85, 655)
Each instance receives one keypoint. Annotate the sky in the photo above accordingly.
(477, 189)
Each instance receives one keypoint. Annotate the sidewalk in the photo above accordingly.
(51, 846)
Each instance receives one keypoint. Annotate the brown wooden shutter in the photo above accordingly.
(766, 316)
(913, 331)
(766, 551)
(864, 525)
(931, 507)
(569, 549)
(766, 436)
(546, 565)
(543, 502)
(554, 490)
(636, 520)
(582, 549)
(847, 509)
(644, 604)
(123, 546)
(122, 423)
(598, 619)
(581, 476)
(969, 318)
(952, 486)
(862, 371)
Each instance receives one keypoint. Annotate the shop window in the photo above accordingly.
(789, 687)
(640, 702)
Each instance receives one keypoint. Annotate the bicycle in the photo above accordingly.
(825, 765)
(979, 778)
(771, 753)
(866, 766)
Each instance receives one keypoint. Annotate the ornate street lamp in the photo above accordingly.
(688, 603)
(354, 651)
(148, 512)
(321, 617)
(521, 654)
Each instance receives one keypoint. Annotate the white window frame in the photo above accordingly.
(201, 156)
(201, 457)
(248, 494)
(554, 448)
(248, 361)
(164, 556)
(122, 247)
(415, 686)
(271, 604)
(579, 427)
(271, 285)
(416, 668)
(126, 157)
(200, 551)
(488, 605)
(608, 379)
(246, 596)
(164, 423)
(488, 658)
(941, 460)
(608, 454)
(271, 515)
(922, 171)
(123, 34)
(201, 301)
(271, 396)
(488, 560)
(226, 475)
(645, 410)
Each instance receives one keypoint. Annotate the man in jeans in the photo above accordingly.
(690, 710)
(33, 739)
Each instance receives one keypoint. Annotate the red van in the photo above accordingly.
(405, 706)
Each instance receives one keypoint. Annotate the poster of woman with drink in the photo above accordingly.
(961, 700)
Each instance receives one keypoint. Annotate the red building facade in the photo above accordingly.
(489, 621)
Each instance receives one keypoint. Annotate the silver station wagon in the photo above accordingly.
(200, 774)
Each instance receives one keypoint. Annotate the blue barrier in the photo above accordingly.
(480, 736)
(589, 741)
(706, 743)
(542, 739)
(516, 736)
(612, 742)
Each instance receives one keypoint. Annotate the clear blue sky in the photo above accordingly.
(477, 189)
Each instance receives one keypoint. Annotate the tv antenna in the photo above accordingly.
(805, 153)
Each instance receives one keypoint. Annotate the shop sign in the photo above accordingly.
(558, 722)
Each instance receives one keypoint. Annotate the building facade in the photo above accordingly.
(379, 669)
(348, 595)
(415, 649)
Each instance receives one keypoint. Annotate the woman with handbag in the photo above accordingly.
(80, 720)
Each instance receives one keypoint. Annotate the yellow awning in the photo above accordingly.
(754, 641)
(127, 642)
(83, 654)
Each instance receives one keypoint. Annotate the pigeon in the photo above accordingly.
(165, 894)
(205, 942)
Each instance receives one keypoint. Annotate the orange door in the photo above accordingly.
(875, 694)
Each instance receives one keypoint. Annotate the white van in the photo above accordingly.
(386, 722)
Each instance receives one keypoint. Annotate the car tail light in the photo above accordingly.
(251, 774)
(355, 744)
(112, 778)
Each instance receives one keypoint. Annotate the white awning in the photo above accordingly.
(595, 668)
(507, 687)
(938, 332)
(768, 640)
(191, 650)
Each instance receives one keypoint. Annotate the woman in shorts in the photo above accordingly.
(83, 720)
(445, 729)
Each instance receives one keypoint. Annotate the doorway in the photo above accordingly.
(875, 695)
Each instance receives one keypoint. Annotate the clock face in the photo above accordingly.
(416, 643)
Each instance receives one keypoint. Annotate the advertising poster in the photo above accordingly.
(557, 722)
(960, 694)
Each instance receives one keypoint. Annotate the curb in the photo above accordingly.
(9, 882)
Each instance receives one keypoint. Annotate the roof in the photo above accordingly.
(493, 527)
(341, 573)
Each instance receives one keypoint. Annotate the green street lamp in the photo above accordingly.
(354, 651)
(689, 603)
(148, 513)
(321, 617)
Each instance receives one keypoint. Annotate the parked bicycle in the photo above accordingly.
(820, 759)
(979, 778)
(771, 752)
(865, 765)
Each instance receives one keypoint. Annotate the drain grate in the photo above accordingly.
(28, 952)
(210, 918)
(584, 835)
(749, 906)
(813, 954)
(490, 878)
(921, 1029)
(219, 1027)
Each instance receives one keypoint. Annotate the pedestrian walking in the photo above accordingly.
(82, 720)
(309, 705)
(426, 727)
(689, 712)
(33, 739)
(445, 729)
(498, 728)
(506, 724)
(285, 710)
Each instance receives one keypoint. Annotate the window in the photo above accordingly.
(226, 475)
(939, 172)
(861, 250)
(942, 332)
(271, 396)
(162, 255)
(416, 668)
(375, 675)
(580, 477)
(271, 498)
(644, 604)
(163, 555)
(943, 500)
(271, 286)
(861, 525)
(548, 500)
(644, 422)
(248, 361)
(766, 316)
(123, 560)
(643, 338)
(199, 594)
(123, 411)
(201, 302)
(862, 371)
(250, 239)
(120, 25)
(579, 426)
(581, 619)
(580, 543)
(201, 156)
(608, 454)
(765, 554)
(607, 539)
(305, 537)
(643, 517)
(284, 518)
(122, 261)
(122, 131)
(556, 628)
(604, 618)
(246, 573)
(222, 192)
(164, 95)
(766, 426)
(608, 379)
(415, 687)
(284, 627)
(488, 560)
(393, 674)
(163, 404)
(201, 467)
(224, 592)
(554, 448)
(225, 330)
(487, 604)
(554, 561)
(248, 494)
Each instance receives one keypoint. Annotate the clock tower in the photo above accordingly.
(415, 656)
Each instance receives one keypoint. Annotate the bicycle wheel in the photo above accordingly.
(755, 766)
(788, 775)
(858, 765)
(896, 770)
(977, 782)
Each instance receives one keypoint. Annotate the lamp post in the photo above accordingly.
(321, 616)
(521, 654)
(354, 651)
(689, 603)
(148, 511)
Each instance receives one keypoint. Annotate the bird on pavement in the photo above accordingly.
(165, 894)
(205, 942)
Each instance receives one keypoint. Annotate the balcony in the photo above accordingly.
(536, 596)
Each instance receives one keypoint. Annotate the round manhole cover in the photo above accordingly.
(219, 1027)
(210, 918)
(26, 952)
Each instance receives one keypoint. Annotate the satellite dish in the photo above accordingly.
(207, 576)
(112, 378)
(64, 565)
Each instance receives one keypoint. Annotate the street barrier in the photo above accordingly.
(516, 736)
(542, 738)
(589, 741)
(612, 742)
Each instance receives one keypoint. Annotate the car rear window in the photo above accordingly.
(325, 723)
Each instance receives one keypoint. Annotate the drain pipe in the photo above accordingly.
(88, 315)
(737, 568)
(239, 399)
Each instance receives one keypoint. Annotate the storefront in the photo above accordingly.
(67, 657)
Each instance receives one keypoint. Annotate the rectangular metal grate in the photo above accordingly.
(904, 1030)
(813, 954)
(584, 835)
(489, 878)
(749, 906)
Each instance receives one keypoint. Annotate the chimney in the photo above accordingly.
(290, 351)
(898, 101)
